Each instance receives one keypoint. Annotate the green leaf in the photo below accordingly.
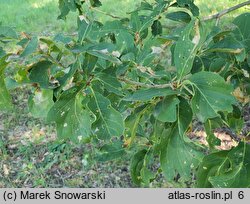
(146, 55)
(53, 45)
(208, 168)
(190, 5)
(65, 79)
(146, 173)
(178, 154)
(40, 73)
(30, 47)
(112, 27)
(145, 6)
(2, 52)
(63, 9)
(184, 2)
(136, 166)
(95, 3)
(5, 98)
(110, 83)
(84, 29)
(227, 45)
(124, 42)
(7, 32)
(60, 37)
(156, 28)
(194, 9)
(211, 138)
(148, 94)
(235, 123)
(104, 55)
(217, 64)
(243, 23)
(128, 57)
(132, 121)
(73, 121)
(22, 76)
(89, 62)
(165, 110)
(226, 169)
(180, 16)
(109, 122)
(157, 10)
(66, 6)
(111, 151)
(186, 49)
(41, 103)
(135, 21)
(211, 95)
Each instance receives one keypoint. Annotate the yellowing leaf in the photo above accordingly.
(240, 96)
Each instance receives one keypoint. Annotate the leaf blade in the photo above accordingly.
(212, 94)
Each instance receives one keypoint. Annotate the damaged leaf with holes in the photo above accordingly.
(226, 169)
(73, 120)
(109, 122)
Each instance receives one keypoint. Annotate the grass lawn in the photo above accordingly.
(40, 17)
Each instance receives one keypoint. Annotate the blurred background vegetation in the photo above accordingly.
(40, 16)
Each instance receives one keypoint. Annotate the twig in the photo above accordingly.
(105, 13)
(54, 60)
(61, 177)
(47, 55)
(145, 85)
(223, 12)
